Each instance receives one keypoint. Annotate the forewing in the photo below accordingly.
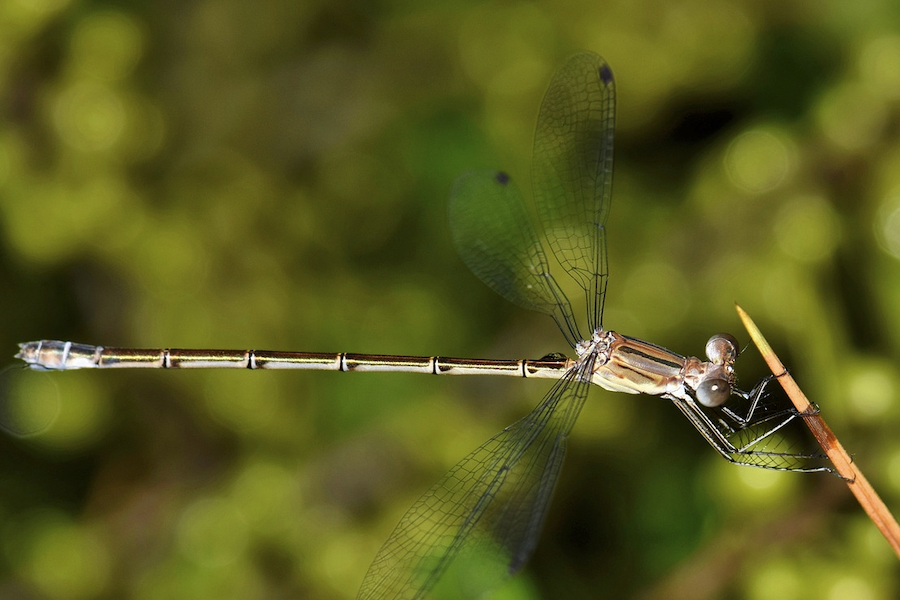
(481, 522)
(572, 172)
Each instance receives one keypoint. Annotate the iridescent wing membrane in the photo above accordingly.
(572, 182)
(480, 523)
(572, 173)
(482, 520)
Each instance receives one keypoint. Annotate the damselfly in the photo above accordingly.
(482, 520)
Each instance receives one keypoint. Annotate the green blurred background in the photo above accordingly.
(227, 173)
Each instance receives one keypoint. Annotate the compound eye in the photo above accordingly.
(722, 349)
(713, 392)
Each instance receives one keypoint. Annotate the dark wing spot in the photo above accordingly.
(606, 75)
(502, 178)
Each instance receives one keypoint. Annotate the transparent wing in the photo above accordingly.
(572, 172)
(481, 522)
(495, 239)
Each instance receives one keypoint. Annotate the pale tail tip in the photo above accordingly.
(27, 351)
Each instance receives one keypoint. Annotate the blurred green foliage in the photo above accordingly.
(226, 173)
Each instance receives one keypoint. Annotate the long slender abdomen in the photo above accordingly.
(53, 355)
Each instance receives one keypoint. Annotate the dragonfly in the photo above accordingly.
(481, 522)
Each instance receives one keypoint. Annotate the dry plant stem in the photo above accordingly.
(844, 465)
